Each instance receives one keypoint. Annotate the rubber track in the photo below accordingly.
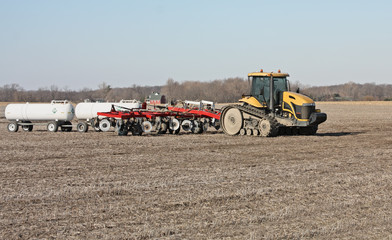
(259, 114)
(249, 110)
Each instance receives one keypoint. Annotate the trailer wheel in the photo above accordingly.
(104, 125)
(66, 129)
(82, 127)
(52, 126)
(69, 129)
(27, 128)
(13, 127)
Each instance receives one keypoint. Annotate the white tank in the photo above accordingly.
(89, 110)
(54, 111)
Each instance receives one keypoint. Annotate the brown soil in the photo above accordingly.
(337, 184)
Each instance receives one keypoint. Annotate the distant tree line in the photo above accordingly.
(223, 91)
(351, 92)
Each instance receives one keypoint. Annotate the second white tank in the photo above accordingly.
(89, 110)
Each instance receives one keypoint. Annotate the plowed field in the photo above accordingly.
(336, 184)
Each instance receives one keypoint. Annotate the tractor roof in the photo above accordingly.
(267, 74)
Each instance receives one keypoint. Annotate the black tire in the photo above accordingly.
(66, 129)
(122, 132)
(69, 129)
(121, 128)
(13, 127)
(27, 128)
(52, 126)
(137, 129)
(82, 127)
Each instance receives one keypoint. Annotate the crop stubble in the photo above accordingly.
(337, 184)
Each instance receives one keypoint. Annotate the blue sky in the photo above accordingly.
(77, 44)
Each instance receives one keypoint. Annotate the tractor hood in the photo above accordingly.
(297, 98)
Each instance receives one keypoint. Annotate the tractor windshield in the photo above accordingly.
(261, 85)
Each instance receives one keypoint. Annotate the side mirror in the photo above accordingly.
(297, 90)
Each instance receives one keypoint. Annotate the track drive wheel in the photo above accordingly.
(268, 127)
(231, 120)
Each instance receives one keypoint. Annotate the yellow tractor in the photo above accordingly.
(271, 109)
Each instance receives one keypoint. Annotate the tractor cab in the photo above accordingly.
(261, 88)
(260, 93)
